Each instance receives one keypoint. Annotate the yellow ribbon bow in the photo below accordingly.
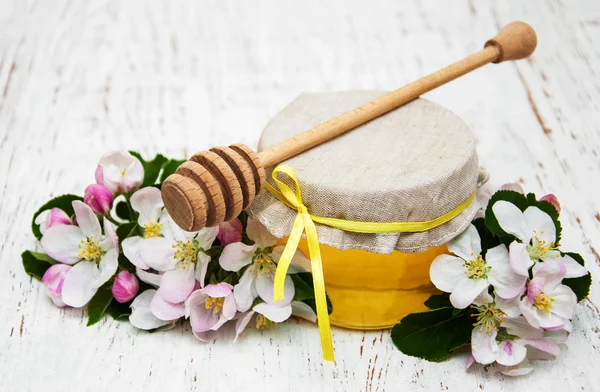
(305, 222)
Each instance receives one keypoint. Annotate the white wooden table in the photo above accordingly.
(78, 79)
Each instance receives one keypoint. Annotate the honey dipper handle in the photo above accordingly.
(517, 40)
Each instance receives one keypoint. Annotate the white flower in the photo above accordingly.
(141, 316)
(147, 202)
(258, 278)
(536, 232)
(468, 275)
(548, 303)
(505, 340)
(120, 172)
(92, 254)
(181, 255)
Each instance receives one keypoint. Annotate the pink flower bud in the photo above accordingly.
(550, 198)
(99, 198)
(54, 277)
(54, 217)
(125, 287)
(230, 232)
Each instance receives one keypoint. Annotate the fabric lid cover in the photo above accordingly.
(415, 163)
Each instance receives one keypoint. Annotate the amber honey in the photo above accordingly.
(374, 291)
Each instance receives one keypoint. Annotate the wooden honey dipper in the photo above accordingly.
(215, 186)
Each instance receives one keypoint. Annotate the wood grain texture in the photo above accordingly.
(78, 79)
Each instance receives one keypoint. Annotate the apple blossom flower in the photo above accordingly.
(99, 198)
(147, 202)
(548, 303)
(125, 287)
(536, 233)
(209, 308)
(487, 190)
(552, 199)
(467, 274)
(52, 217)
(141, 316)
(120, 172)
(181, 255)
(501, 339)
(54, 278)
(299, 309)
(92, 254)
(257, 280)
(230, 232)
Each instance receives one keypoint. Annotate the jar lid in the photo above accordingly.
(413, 164)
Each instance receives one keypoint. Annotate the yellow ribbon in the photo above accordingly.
(305, 222)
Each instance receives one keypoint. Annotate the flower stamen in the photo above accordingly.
(488, 316)
(89, 250)
(476, 268)
(538, 248)
(263, 323)
(152, 229)
(215, 303)
(186, 253)
(543, 302)
(263, 264)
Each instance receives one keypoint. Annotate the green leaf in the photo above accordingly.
(151, 168)
(119, 311)
(63, 202)
(304, 291)
(99, 303)
(433, 335)
(522, 202)
(169, 168)
(438, 301)
(127, 230)
(122, 210)
(36, 264)
(580, 286)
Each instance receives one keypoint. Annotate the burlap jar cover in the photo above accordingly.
(415, 163)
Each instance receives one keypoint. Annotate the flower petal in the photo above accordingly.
(61, 243)
(202, 319)
(229, 308)
(241, 324)
(265, 289)
(511, 353)
(507, 283)
(87, 221)
(202, 267)
(446, 271)
(54, 278)
(510, 307)
(467, 245)
(245, 291)
(551, 272)
(519, 370)
(483, 298)
(218, 290)
(148, 203)
(230, 232)
(273, 312)
(80, 284)
(565, 301)
(107, 267)
(518, 326)
(141, 316)
(260, 234)
(534, 288)
(158, 253)
(540, 224)
(176, 285)
(132, 248)
(149, 277)
(236, 256)
(483, 346)
(111, 239)
(519, 258)
(529, 312)
(573, 268)
(511, 220)
(166, 310)
(206, 237)
(466, 291)
(302, 310)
